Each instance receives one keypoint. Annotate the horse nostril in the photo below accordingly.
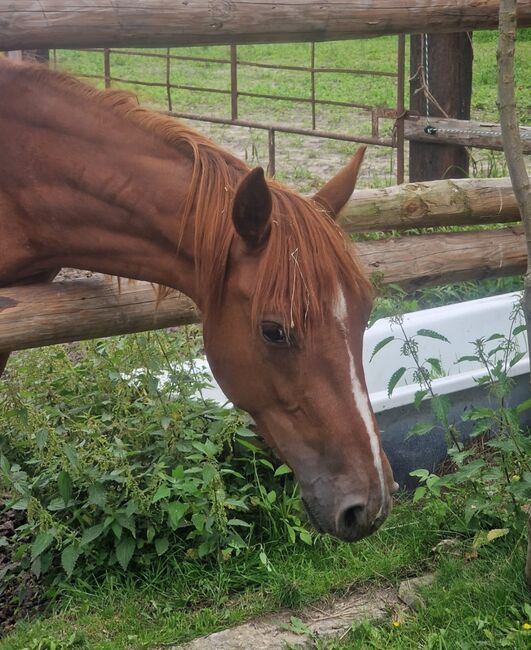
(351, 519)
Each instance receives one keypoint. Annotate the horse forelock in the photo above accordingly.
(305, 261)
(306, 256)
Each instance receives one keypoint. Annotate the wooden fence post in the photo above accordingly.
(442, 65)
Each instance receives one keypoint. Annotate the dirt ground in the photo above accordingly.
(327, 620)
(304, 163)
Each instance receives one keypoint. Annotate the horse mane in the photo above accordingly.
(307, 255)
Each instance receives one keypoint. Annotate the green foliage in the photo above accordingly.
(488, 482)
(113, 466)
(422, 372)
(392, 299)
(48, 643)
(395, 378)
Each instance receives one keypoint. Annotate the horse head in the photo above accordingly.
(285, 345)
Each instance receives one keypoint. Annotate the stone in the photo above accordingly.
(409, 590)
(276, 632)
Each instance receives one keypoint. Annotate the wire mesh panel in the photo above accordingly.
(295, 91)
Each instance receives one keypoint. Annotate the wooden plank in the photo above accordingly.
(436, 203)
(484, 135)
(442, 62)
(427, 260)
(59, 312)
(35, 24)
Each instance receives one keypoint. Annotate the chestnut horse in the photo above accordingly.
(90, 180)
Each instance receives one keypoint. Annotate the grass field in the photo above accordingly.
(306, 162)
(478, 599)
(377, 54)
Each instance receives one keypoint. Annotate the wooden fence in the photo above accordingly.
(34, 24)
(32, 316)
(467, 133)
(37, 315)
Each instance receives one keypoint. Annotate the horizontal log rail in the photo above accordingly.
(36, 24)
(73, 310)
(426, 260)
(431, 204)
(60, 312)
(440, 130)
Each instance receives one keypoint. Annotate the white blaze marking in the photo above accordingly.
(361, 399)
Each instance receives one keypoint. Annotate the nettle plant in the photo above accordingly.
(107, 470)
(486, 483)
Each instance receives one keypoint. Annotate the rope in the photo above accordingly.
(427, 80)
(430, 129)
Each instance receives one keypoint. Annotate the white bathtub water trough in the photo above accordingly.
(462, 324)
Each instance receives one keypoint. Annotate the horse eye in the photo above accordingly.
(274, 334)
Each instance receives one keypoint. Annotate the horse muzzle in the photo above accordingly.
(353, 518)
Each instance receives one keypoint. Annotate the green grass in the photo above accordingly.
(386, 304)
(306, 162)
(477, 604)
(378, 54)
(180, 599)
(381, 91)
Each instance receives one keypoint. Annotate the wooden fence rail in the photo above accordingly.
(35, 24)
(439, 130)
(59, 312)
(435, 203)
(426, 260)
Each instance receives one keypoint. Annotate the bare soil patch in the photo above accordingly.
(329, 620)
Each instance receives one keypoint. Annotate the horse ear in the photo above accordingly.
(251, 210)
(333, 196)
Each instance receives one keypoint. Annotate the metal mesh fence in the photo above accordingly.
(230, 72)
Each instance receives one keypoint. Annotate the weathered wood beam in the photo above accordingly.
(35, 24)
(484, 135)
(60, 312)
(426, 260)
(37, 315)
(440, 84)
(436, 203)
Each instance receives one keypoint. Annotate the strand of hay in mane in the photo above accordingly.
(303, 263)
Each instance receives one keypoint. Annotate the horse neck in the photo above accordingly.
(108, 200)
(123, 218)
